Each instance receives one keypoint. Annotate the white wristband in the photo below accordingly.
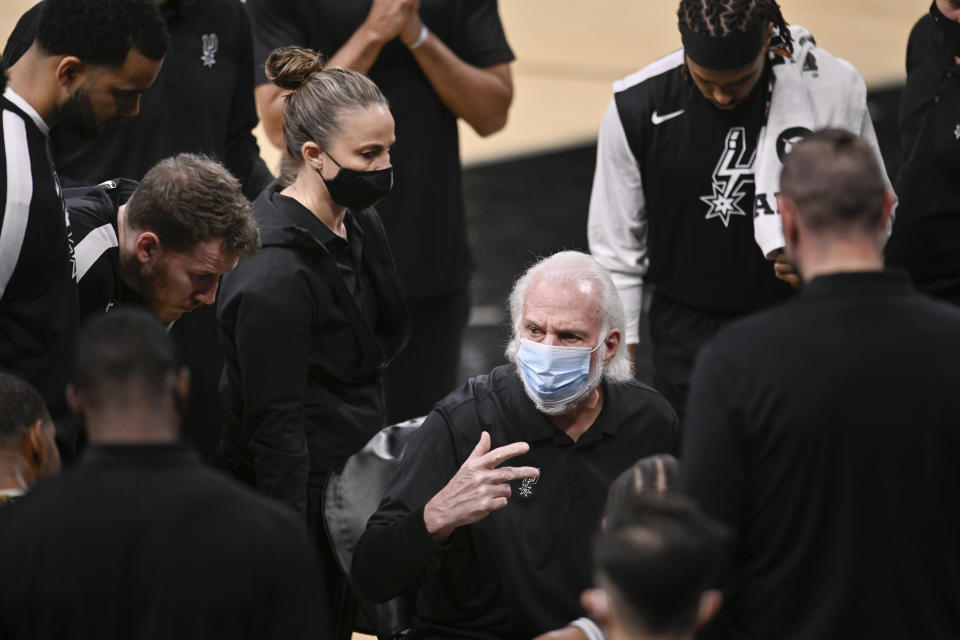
(424, 32)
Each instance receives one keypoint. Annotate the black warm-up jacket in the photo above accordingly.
(302, 363)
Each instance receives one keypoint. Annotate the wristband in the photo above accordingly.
(424, 32)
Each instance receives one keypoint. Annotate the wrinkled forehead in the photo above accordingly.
(573, 295)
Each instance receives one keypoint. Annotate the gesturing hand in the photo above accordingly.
(478, 488)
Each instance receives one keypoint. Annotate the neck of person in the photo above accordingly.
(575, 422)
(309, 190)
(22, 79)
(15, 473)
(134, 423)
(848, 255)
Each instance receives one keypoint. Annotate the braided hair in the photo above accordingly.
(719, 18)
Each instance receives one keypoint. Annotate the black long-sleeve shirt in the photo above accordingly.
(519, 571)
(201, 102)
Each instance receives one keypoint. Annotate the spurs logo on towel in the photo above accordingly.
(210, 45)
(526, 487)
(730, 176)
(788, 138)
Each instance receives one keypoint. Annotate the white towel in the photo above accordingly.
(812, 90)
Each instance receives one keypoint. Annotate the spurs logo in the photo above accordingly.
(732, 173)
(210, 45)
(526, 487)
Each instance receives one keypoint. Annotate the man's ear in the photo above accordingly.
(182, 384)
(75, 400)
(596, 603)
(71, 72)
(148, 247)
(788, 218)
(611, 342)
(710, 601)
(889, 200)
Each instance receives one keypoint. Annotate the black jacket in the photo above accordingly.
(926, 232)
(302, 370)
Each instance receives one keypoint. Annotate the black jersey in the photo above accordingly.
(93, 219)
(683, 171)
(38, 298)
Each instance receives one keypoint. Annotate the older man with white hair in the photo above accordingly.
(503, 551)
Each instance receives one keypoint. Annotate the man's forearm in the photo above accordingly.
(482, 97)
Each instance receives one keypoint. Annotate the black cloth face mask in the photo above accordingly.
(949, 29)
(358, 189)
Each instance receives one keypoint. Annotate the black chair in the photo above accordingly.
(351, 496)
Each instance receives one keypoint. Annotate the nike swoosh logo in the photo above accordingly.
(656, 118)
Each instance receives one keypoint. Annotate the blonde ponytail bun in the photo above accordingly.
(290, 67)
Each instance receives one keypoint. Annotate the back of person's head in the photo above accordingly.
(731, 18)
(102, 32)
(835, 183)
(658, 566)
(582, 272)
(124, 359)
(654, 475)
(319, 97)
(26, 429)
(21, 407)
(190, 198)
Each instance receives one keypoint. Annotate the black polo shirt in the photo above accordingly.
(347, 253)
(519, 571)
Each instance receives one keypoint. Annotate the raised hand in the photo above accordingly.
(478, 488)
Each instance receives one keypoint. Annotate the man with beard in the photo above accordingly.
(503, 552)
(89, 64)
(163, 244)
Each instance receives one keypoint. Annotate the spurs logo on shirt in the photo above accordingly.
(210, 45)
(731, 174)
(526, 487)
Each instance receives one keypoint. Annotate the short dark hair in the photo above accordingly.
(102, 32)
(190, 198)
(835, 181)
(663, 554)
(120, 348)
(21, 405)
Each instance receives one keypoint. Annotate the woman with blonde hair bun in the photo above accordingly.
(309, 322)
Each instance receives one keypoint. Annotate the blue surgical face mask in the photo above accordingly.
(554, 374)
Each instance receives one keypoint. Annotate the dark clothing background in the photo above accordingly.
(519, 571)
(926, 231)
(424, 214)
(38, 299)
(303, 363)
(145, 542)
(825, 433)
(192, 106)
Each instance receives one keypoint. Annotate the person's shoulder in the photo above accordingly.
(655, 76)
(638, 395)
(242, 505)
